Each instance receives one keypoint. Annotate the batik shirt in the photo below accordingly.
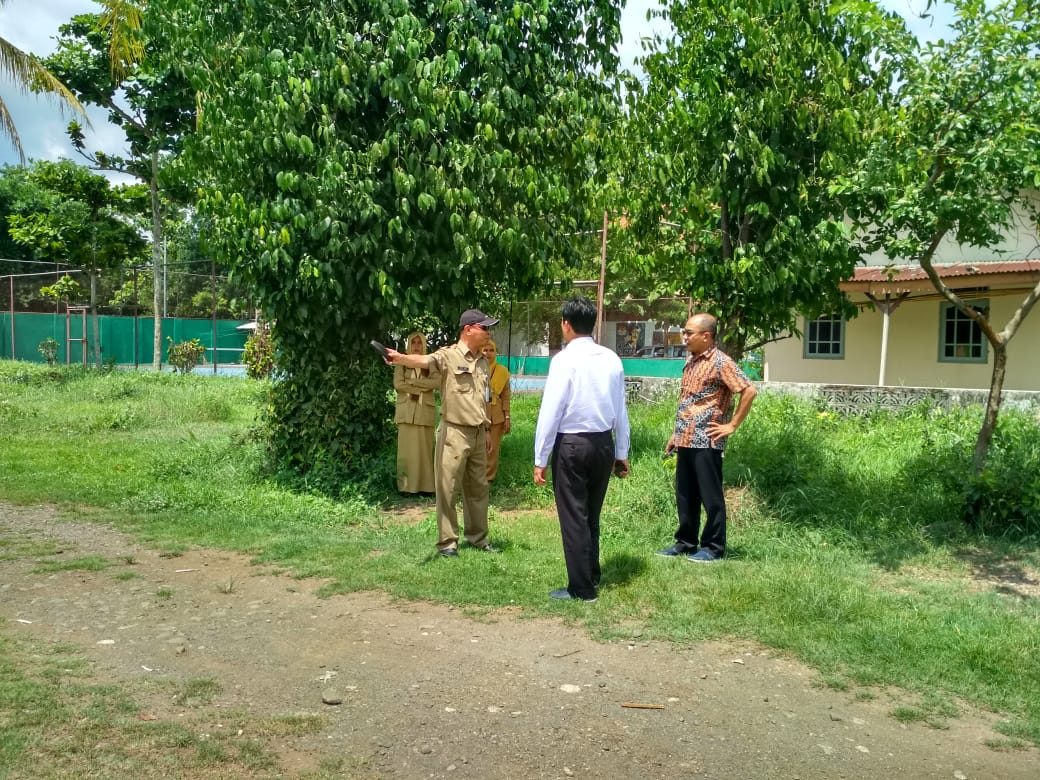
(709, 382)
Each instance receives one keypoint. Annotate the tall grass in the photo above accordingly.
(846, 545)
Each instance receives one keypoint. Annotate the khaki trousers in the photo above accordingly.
(461, 466)
(495, 434)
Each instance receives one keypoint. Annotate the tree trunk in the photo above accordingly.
(157, 260)
(989, 421)
(732, 340)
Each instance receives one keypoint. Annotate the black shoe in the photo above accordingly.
(448, 552)
(562, 594)
(674, 551)
(488, 548)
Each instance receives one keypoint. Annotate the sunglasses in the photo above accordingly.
(691, 332)
(484, 327)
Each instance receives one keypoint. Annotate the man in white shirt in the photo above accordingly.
(583, 428)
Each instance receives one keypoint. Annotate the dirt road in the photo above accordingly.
(424, 691)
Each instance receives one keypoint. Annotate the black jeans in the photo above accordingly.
(581, 467)
(698, 480)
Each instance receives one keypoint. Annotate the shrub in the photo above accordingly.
(1005, 498)
(323, 441)
(48, 348)
(259, 353)
(185, 355)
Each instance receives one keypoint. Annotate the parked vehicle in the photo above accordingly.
(662, 350)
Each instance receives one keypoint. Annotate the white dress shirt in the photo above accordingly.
(584, 393)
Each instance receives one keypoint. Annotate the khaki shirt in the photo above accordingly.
(415, 402)
(465, 385)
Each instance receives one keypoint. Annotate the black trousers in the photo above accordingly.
(698, 481)
(581, 467)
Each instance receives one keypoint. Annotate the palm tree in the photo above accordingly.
(123, 19)
(29, 75)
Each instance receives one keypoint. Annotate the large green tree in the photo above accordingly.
(16, 196)
(81, 220)
(749, 111)
(118, 61)
(961, 160)
(372, 161)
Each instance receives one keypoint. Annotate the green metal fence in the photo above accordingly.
(128, 341)
(659, 368)
(538, 365)
(123, 340)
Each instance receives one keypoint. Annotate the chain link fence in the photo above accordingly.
(646, 334)
(645, 330)
(187, 290)
(52, 306)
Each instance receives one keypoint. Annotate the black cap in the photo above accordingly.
(476, 317)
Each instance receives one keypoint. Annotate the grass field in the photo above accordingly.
(846, 545)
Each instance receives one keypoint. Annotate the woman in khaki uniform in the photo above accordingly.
(497, 408)
(415, 416)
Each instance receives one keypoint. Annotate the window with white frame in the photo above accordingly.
(825, 338)
(961, 340)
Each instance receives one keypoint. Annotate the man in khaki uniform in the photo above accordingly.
(462, 439)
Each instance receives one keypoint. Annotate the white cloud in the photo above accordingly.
(31, 25)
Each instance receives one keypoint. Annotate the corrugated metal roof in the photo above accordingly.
(911, 273)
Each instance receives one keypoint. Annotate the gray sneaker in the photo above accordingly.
(562, 594)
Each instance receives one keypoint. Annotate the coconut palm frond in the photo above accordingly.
(7, 128)
(44, 82)
(122, 19)
(28, 74)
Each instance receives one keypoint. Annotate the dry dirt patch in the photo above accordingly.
(426, 691)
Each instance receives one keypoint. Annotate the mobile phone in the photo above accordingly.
(380, 348)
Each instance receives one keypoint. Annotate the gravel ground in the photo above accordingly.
(416, 690)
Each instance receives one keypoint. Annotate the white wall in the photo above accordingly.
(1020, 243)
(913, 352)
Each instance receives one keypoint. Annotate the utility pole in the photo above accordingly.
(602, 280)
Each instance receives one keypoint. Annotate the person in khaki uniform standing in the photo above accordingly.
(498, 407)
(415, 415)
(462, 439)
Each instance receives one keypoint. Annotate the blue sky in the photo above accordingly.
(32, 25)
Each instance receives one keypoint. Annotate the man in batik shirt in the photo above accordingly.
(703, 422)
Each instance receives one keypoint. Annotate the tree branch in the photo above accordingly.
(763, 342)
(1020, 314)
(925, 262)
